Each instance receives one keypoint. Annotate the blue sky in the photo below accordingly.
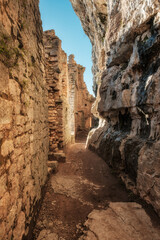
(60, 16)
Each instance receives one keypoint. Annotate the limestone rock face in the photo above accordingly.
(120, 221)
(23, 116)
(126, 66)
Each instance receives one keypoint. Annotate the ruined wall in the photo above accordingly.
(23, 116)
(72, 76)
(57, 82)
(65, 97)
(80, 99)
(126, 38)
(84, 104)
(69, 101)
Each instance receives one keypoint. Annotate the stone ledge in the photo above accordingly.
(52, 166)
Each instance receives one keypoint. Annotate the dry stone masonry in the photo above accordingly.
(126, 64)
(23, 116)
(80, 99)
(69, 101)
(57, 81)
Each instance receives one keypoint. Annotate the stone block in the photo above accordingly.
(4, 78)
(53, 165)
(4, 204)
(6, 148)
(6, 109)
(14, 90)
(49, 170)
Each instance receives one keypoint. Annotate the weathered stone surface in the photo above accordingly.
(47, 235)
(80, 100)
(6, 109)
(57, 81)
(53, 165)
(69, 101)
(125, 38)
(120, 221)
(6, 148)
(148, 180)
(20, 228)
(4, 78)
(23, 116)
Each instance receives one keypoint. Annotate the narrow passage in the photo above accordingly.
(85, 185)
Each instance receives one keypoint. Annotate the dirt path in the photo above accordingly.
(81, 184)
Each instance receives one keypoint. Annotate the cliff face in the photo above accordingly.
(23, 116)
(126, 64)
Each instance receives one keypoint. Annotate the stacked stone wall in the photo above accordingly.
(84, 104)
(69, 101)
(72, 75)
(56, 82)
(23, 116)
(81, 99)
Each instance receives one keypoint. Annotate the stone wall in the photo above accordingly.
(69, 100)
(84, 104)
(80, 99)
(126, 64)
(57, 82)
(72, 75)
(23, 116)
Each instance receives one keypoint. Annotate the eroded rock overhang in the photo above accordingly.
(126, 65)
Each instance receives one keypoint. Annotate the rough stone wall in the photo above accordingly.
(126, 65)
(65, 97)
(84, 104)
(23, 116)
(72, 76)
(56, 78)
(80, 99)
(69, 101)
